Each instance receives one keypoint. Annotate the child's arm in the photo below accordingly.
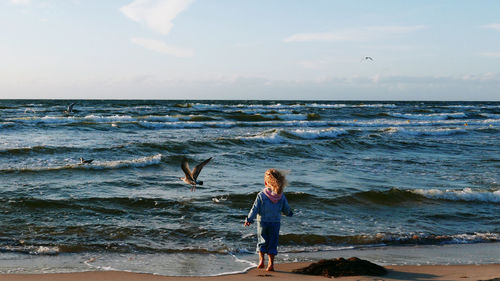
(254, 211)
(286, 210)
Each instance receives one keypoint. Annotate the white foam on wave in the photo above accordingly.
(294, 106)
(318, 134)
(72, 119)
(171, 125)
(96, 165)
(32, 250)
(434, 116)
(490, 115)
(276, 136)
(238, 260)
(475, 237)
(425, 132)
(466, 194)
(156, 118)
(292, 116)
(272, 136)
(206, 106)
(7, 124)
(139, 162)
(112, 118)
(260, 110)
(290, 123)
(391, 105)
(460, 238)
(286, 117)
(341, 105)
(186, 124)
(414, 123)
(53, 119)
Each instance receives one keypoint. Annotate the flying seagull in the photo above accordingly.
(85, 161)
(70, 108)
(367, 58)
(191, 177)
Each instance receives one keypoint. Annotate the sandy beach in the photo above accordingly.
(283, 272)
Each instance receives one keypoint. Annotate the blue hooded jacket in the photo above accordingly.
(267, 211)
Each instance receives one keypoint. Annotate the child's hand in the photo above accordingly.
(247, 223)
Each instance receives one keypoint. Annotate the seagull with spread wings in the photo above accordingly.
(192, 176)
(69, 110)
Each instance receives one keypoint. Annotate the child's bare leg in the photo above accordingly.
(261, 260)
(270, 265)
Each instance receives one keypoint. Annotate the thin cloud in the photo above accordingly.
(161, 47)
(155, 14)
(354, 34)
(495, 26)
(20, 2)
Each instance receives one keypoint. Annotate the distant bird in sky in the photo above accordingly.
(367, 58)
(70, 108)
(85, 161)
(192, 176)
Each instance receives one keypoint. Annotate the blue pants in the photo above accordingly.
(268, 234)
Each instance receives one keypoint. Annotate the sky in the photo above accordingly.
(250, 49)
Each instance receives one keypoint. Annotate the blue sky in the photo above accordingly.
(272, 49)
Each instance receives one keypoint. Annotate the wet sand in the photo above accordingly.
(283, 272)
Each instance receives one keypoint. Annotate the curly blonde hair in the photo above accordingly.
(276, 180)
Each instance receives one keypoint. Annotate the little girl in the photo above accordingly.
(268, 206)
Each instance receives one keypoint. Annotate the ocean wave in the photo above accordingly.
(135, 163)
(186, 125)
(270, 136)
(73, 119)
(171, 125)
(317, 134)
(205, 106)
(424, 132)
(107, 119)
(289, 243)
(466, 194)
(31, 250)
(435, 116)
(7, 125)
(34, 149)
(95, 165)
(281, 135)
(398, 196)
(242, 119)
(385, 239)
(285, 124)
(490, 115)
(292, 116)
(159, 118)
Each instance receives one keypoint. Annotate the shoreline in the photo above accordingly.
(283, 272)
(188, 265)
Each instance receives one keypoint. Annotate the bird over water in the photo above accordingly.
(191, 177)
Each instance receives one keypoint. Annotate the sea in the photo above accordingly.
(396, 182)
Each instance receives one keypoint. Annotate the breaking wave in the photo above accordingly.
(466, 194)
(282, 135)
(435, 116)
(95, 165)
(425, 132)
